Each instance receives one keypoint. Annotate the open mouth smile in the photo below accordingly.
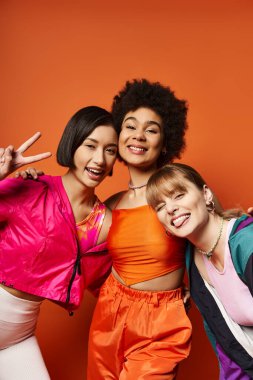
(179, 220)
(95, 173)
(136, 149)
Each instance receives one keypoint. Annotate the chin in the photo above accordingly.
(180, 232)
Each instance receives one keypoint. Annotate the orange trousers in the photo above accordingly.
(137, 335)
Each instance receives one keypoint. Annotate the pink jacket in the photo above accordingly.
(39, 250)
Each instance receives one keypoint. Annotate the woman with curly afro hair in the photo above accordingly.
(140, 329)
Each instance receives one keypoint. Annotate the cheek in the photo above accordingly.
(110, 162)
(200, 205)
(121, 144)
(162, 218)
(76, 158)
(158, 145)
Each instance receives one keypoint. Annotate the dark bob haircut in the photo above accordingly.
(173, 111)
(79, 127)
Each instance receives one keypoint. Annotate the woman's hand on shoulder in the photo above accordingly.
(11, 159)
(250, 211)
(31, 173)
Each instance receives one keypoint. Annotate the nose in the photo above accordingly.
(99, 157)
(139, 135)
(171, 208)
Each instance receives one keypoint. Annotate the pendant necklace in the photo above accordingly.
(209, 253)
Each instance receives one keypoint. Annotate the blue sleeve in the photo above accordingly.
(210, 336)
(248, 273)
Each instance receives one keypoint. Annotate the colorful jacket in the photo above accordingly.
(39, 248)
(227, 347)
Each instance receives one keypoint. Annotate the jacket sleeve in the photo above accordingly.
(241, 247)
(248, 273)
(96, 266)
(8, 195)
(210, 335)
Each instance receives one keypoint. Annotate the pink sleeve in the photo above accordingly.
(8, 195)
(96, 264)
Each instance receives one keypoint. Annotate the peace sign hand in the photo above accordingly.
(11, 160)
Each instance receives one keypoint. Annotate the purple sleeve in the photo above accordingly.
(244, 223)
(229, 370)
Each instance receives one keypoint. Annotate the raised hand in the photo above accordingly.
(11, 159)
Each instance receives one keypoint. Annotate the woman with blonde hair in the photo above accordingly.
(219, 260)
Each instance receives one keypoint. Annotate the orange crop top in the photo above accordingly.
(140, 248)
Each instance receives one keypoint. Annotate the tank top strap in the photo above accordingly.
(88, 230)
(98, 217)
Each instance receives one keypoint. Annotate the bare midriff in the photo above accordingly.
(169, 281)
(22, 295)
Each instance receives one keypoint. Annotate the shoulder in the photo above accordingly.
(241, 243)
(19, 187)
(9, 184)
(242, 230)
(16, 185)
(240, 224)
(113, 200)
(105, 226)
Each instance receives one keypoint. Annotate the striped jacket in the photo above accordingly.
(236, 361)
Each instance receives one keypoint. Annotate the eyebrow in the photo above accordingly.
(149, 122)
(96, 141)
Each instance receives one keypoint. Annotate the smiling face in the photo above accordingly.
(141, 138)
(94, 159)
(183, 210)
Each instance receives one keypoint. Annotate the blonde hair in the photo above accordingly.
(170, 179)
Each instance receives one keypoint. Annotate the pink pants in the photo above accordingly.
(20, 356)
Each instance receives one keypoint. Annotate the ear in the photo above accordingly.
(164, 151)
(208, 195)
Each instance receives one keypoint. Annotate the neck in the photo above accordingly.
(77, 192)
(139, 177)
(209, 238)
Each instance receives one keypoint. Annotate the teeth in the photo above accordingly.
(178, 221)
(137, 149)
(94, 171)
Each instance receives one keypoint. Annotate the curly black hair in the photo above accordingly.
(173, 111)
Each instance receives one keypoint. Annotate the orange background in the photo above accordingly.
(61, 55)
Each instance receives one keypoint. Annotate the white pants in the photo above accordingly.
(20, 355)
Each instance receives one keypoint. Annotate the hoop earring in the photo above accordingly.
(210, 206)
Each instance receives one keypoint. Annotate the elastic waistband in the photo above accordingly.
(16, 301)
(150, 296)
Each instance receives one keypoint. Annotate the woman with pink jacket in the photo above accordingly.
(52, 234)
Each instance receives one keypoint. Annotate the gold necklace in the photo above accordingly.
(209, 253)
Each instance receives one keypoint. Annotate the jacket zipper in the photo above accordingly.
(76, 269)
(77, 266)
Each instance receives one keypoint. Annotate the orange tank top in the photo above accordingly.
(140, 248)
